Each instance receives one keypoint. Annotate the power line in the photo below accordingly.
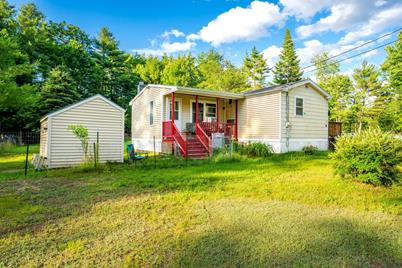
(356, 55)
(354, 48)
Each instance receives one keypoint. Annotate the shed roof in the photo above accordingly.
(71, 106)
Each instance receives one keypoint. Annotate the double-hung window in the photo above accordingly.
(299, 106)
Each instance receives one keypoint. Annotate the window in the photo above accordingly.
(176, 110)
(299, 109)
(211, 110)
(151, 113)
(200, 112)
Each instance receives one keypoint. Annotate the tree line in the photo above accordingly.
(46, 65)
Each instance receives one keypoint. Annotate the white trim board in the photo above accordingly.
(69, 107)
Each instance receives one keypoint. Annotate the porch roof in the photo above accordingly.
(204, 92)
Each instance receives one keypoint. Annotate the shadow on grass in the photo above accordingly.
(336, 243)
(59, 193)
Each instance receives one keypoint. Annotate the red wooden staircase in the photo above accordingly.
(195, 149)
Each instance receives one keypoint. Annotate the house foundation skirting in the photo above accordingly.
(145, 144)
(275, 143)
(279, 146)
(298, 144)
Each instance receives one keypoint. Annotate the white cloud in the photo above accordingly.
(167, 48)
(304, 9)
(173, 32)
(271, 55)
(242, 23)
(361, 18)
(342, 16)
(376, 24)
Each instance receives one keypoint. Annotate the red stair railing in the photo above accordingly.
(171, 133)
(203, 138)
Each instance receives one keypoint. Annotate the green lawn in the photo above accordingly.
(287, 210)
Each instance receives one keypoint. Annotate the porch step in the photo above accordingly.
(195, 149)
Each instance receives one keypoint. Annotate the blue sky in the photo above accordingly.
(234, 27)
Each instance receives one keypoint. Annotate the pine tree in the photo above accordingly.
(59, 90)
(367, 87)
(114, 65)
(287, 68)
(255, 67)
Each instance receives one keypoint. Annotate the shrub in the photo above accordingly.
(81, 133)
(369, 156)
(310, 149)
(257, 149)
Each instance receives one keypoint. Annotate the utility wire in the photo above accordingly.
(354, 48)
(353, 56)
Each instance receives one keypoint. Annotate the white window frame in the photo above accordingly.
(295, 103)
(167, 112)
(203, 102)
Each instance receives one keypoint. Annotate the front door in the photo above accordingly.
(177, 112)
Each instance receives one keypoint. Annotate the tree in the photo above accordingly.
(150, 71)
(391, 118)
(392, 65)
(114, 65)
(340, 87)
(59, 90)
(181, 71)
(367, 87)
(233, 79)
(7, 13)
(255, 67)
(211, 66)
(324, 66)
(287, 68)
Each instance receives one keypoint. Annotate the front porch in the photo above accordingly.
(198, 115)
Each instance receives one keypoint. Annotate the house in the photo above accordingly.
(104, 121)
(288, 117)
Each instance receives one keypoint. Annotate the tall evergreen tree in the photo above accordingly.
(255, 67)
(368, 89)
(59, 90)
(114, 64)
(287, 68)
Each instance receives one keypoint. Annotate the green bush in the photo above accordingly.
(256, 149)
(309, 150)
(369, 156)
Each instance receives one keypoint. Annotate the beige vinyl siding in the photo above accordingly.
(43, 138)
(140, 127)
(98, 116)
(259, 116)
(314, 123)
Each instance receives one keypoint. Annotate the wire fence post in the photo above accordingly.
(154, 153)
(94, 155)
(97, 147)
(26, 160)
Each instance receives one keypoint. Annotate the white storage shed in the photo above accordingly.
(99, 115)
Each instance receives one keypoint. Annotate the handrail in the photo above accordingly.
(203, 138)
(178, 137)
(170, 131)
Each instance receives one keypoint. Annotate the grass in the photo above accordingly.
(285, 210)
